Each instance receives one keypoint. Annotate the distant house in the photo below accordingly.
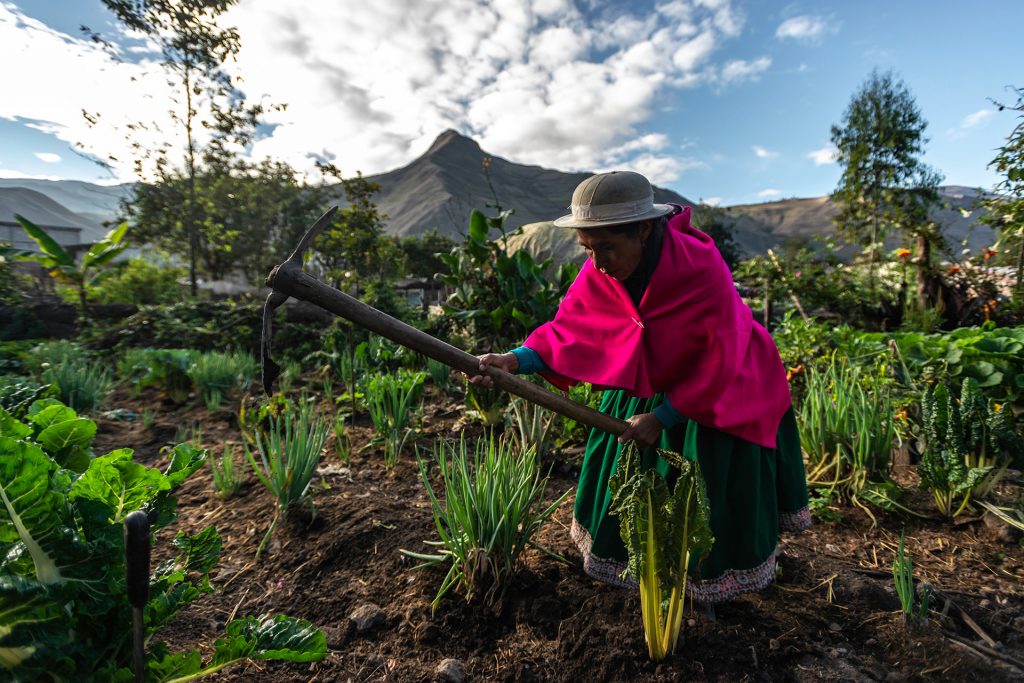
(67, 237)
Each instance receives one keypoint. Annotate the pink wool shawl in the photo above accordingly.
(692, 337)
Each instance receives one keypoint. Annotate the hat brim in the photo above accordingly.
(570, 221)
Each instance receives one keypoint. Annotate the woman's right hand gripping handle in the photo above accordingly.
(503, 361)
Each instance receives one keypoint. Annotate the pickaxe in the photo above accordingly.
(288, 279)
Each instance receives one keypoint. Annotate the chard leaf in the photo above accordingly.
(29, 508)
(42, 404)
(11, 427)
(51, 415)
(185, 460)
(166, 604)
(67, 442)
(162, 666)
(278, 637)
(110, 488)
(32, 630)
(200, 551)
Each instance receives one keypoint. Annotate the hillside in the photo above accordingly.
(440, 189)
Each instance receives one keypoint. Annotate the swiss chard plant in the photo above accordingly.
(968, 443)
(666, 531)
(64, 612)
(166, 369)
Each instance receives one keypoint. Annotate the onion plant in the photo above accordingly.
(440, 374)
(226, 481)
(531, 424)
(488, 511)
(342, 445)
(903, 577)
(391, 400)
(82, 384)
(289, 451)
(216, 374)
(664, 532)
(847, 432)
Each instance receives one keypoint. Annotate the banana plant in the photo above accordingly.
(94, 266)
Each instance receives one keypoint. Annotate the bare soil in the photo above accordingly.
(832, 615)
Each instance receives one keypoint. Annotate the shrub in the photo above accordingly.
(216, 374)
(289, 453)
(51, 353)
(493, 507)
(141, 282)
(167, 369)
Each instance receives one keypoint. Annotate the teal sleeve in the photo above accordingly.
(668, 415)
(529, 361)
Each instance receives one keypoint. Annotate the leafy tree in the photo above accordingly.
(421, 253)
(94, 265)
(353, 249)
(712, 221)
(1006, 212)
(194, 48)
(885, 187)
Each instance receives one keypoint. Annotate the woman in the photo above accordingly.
(654, 319)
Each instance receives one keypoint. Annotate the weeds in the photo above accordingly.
(226, 481)
(288, 452)
(493, 507)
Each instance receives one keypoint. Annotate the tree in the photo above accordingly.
(353, 250)
(885, 187)
(420, 254)
(194, 49)
(1006, 212)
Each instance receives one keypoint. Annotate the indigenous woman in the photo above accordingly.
(655, 320)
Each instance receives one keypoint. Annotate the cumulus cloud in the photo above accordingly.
(769, 192)
(762, 153)
(739, 70)
(712, 201)
(801, 28)
(548, 82)
(823, 156)
(48, 157)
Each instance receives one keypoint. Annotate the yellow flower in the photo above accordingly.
(903, 253)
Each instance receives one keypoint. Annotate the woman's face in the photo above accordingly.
(615, 255)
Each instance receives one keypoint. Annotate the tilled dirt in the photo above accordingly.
(832, 615)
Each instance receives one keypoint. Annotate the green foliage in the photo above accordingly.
(531, 424)
(216, 374)
(571, 430)
(712, 221)
(141, 282)
(666, 532)
(968, 443)
(65, 437)
(197, 325)
(55, 352)
(18, 393)
(903, 578)
(82, 384)
(497, 299)
(421, 254)
(289, 452)
(847, 431)
(63, 552)
(352, 250)
(1005, 212)
(94, 265)
(440, 374)
(485, 403)
(885, 187)
(493, 507)
(392, 401)
(167, 369)
(226, 481)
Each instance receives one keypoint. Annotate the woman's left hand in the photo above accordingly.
(644, 428)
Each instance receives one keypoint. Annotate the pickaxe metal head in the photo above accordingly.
(270, 369)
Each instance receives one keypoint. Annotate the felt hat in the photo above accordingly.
(615, 198)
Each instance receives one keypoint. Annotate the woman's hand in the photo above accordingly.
(503, 361)
(644, 428)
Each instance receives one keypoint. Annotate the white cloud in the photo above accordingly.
(48, 157)
(769, 192)
(823, 156)
(739, 70)
(978, 117)
(712, 201)
(10, 173)
(801, 28)
(762, 153)
(372, 84)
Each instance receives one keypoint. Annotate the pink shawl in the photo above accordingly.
(692, 338)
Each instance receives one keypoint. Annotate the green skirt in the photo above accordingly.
(754, 492)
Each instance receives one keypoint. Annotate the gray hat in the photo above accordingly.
(614, 198)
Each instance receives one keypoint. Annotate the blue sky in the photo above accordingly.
(726, 101)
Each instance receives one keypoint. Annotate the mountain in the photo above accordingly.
(441, 188)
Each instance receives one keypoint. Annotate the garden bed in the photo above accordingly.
(832, 615)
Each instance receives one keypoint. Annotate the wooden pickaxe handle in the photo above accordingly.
(288, 279)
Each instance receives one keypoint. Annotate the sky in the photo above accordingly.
(724, 101)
